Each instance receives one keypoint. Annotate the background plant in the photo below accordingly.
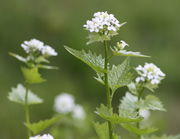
(37, 53)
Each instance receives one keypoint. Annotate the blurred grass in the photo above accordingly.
(152, 28)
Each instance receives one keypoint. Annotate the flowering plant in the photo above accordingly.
(135, 106)
(37, 53)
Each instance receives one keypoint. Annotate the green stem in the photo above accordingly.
(26, 108)
(108, 95)
(138, 110)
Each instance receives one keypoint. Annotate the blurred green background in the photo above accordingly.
(153, 28)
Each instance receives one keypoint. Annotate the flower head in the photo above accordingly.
(35, 45)
(32, 45)
(49, 51)
(150, 73)
(45, 136)
(64, 103)
(102, 22)
(78, 112)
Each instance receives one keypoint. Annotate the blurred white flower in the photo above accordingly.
(32, 45)
(45, 136)
(122, 44)
(103, 22)
(64, 103)
(78, 112)
(144, 113)
(35, 45)
(49, 51)
(150, 73)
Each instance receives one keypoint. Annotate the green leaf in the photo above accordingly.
(152, 102)
(41, 59)
(102, 130)
(128, 107)
(127, 53)
(118, 76)
(96, 37)
(138, 131)
(91, 59)
(17, 95)
(163, 137)
(132, 88)
(32, 75)
(38, 127)
(18, 57)
(47, 67)
(108, 115)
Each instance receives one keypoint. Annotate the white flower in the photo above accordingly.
(103, 22)
(144, 113)
(122, 44)
(35, 45)
(45, 136)
(150, 73)
(49, 51)
(64, 103)
(32, 45)
(78, 112)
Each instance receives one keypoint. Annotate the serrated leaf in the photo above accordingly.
(152, 102)
(138, 131)
(118, 76)
(96, 62)
(128, 106)
(108, 115)
(132, 88)
(163, 137)
(32, 75)
(38, 127)
(150, 86)
(102, 130)
(18, 57)
(17, 95)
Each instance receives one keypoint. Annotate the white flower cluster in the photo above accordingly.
(35, 45)
(150, 73)
(64, 103)
(102, 21)
(45, 136)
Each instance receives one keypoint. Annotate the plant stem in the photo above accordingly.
(138, 110)
(108, 95)
(26, 108)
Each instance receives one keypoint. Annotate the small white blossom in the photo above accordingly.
(45, 136)
(103, 22)
(49, 51)
(122, 44)
(35, 45)
(78, 112)
(150, 73)
(144, 113)
(64, 103)
(32, 45)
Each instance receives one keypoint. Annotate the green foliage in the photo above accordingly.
(91, 59)
(152, 102)
(108, 115)
(38, 127)
(128, 106)
(137, 131)
(163, 137)
(118, 76)
(18, 57)
(32, 75)
(17, 95)
(96, 37)
(127, 53)
(102, 130)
